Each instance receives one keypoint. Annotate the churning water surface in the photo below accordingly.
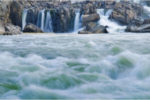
(112, 66)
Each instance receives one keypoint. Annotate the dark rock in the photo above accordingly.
(31, 28)
(12, 30)
(16, 10)
(63, 19)
(95, 30)
(32, 16)
(109, 4)
(99, 29)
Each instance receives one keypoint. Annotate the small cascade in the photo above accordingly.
(113, 27)
(24, 17)
(147, 9)
(77, 22)
(41, 18)
(48, 24)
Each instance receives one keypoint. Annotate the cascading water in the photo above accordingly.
(113, 27)
(24, 17)
(48, 24)
(147, 9)
(41, 18)
(77, 22)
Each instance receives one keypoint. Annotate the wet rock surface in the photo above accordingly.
(141, 26)
(63, 19)
(31, 28)
(90, 18)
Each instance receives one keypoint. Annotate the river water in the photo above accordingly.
(107, 66)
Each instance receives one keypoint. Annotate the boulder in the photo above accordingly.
(31, 28)
(95, 30)
(90, 18)
(12, 30)
(125, 12)
(139, 25)
(99, 29)
(138, 29)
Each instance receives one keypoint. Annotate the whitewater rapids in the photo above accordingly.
(112, 66)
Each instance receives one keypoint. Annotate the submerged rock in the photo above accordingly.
(84, 32)
(31, 28)
(97, 29)
(12, 30)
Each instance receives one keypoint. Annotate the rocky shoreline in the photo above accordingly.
(62, 16)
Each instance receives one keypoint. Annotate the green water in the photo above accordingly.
(112, 66)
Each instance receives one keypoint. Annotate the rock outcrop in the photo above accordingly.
(16, 10)
(63, 19)
(12, 30)
(31, 28)
(125, 12)
(90, 20)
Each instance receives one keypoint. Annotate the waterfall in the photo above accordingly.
(113, 26)
(147, 9)
(48, 24)
(41, 18)
(77, 22)
(24, 17)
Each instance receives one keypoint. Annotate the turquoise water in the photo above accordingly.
(112, 66)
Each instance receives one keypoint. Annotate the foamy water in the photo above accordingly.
(112, 66)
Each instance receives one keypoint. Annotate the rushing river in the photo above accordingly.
(111, 66)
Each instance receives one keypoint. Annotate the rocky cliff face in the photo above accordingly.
(125, 12)
(4, 12)
(63, 19)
